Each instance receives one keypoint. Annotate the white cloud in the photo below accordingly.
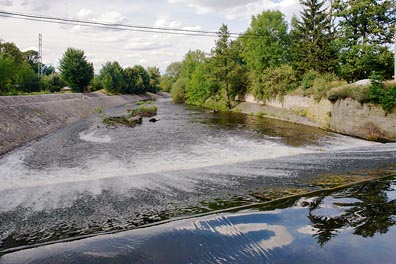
(233, 9)
(166, 22)
(6, 3)
(37, 5)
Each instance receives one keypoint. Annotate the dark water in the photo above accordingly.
(86, 179)
(352, 225)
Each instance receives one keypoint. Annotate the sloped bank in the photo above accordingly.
(345, 116)
(25, 118)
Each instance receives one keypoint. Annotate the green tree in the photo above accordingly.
(76, 70)
(8, 70)
(11, 51)
(266, 41)
(130, 78)
(155, 79)
(31, 56)
(198, 86)
(274, 82)
(113, 77)
(169, 78)
(26, 78)
(313, 41)
(360, 61)
(223, 65)
(365, 28)
(55, 82)
(178, 91)
(142, 80)
(365, 21)
(48, 69)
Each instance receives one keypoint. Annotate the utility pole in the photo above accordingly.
(394, 55)
(40, 56)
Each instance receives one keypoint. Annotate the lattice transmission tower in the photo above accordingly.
(40, 56)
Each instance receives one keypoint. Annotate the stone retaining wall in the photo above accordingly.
(347, 116)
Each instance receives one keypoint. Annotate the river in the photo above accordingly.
(87, 179)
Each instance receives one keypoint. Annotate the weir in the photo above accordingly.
(87, 179)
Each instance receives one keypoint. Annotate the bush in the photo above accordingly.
(178, 91)
(384, 95)
(308, 79)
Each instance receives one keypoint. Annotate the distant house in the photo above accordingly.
(66, 89)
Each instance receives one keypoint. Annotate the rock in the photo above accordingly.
(153, 120)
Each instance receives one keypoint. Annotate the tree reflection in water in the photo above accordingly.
(373, 213)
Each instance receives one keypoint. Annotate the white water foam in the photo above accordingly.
(91, 137)
(145, 171)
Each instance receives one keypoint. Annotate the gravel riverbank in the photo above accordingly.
(26, 118)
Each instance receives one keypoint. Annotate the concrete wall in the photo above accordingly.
(25, 118)
(344, 116)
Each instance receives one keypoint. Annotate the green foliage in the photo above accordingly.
(178, 91)
(112, 77)
(76, 70)
(55, 82)
(270, 48)
(274, 82)
(155, 79)
(383, 95)
(10, 50)
(96, 84)
(198, 86)
(313, 46)
(309, 78)
(227, 74)
(360, 61)
(144, 111)
(171, 75)
(365, 21)
(141, 78)
(8, 70)
(26, 79)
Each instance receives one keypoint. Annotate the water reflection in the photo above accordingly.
(372, 213)
(353, 225)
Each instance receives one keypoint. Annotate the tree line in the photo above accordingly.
(19, 74)
(19, 71)
(332, 42)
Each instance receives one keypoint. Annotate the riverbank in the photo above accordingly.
(26, 118)
(346, 116)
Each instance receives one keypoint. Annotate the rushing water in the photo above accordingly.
(86, 179)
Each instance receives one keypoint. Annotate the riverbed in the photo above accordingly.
(88, 179)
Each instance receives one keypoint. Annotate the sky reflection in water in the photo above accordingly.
(353, 225)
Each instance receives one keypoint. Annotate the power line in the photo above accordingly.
(118, 26)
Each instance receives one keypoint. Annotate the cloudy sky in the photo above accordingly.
(128, 47)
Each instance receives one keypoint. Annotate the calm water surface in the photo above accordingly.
(353, 225)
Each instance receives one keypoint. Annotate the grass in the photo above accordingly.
(121, 120)
(380, 93)
(16, 93)
(260, 114)
(144, 111)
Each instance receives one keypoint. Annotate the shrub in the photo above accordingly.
(178, 91)
(146, 111)
(308, 79)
